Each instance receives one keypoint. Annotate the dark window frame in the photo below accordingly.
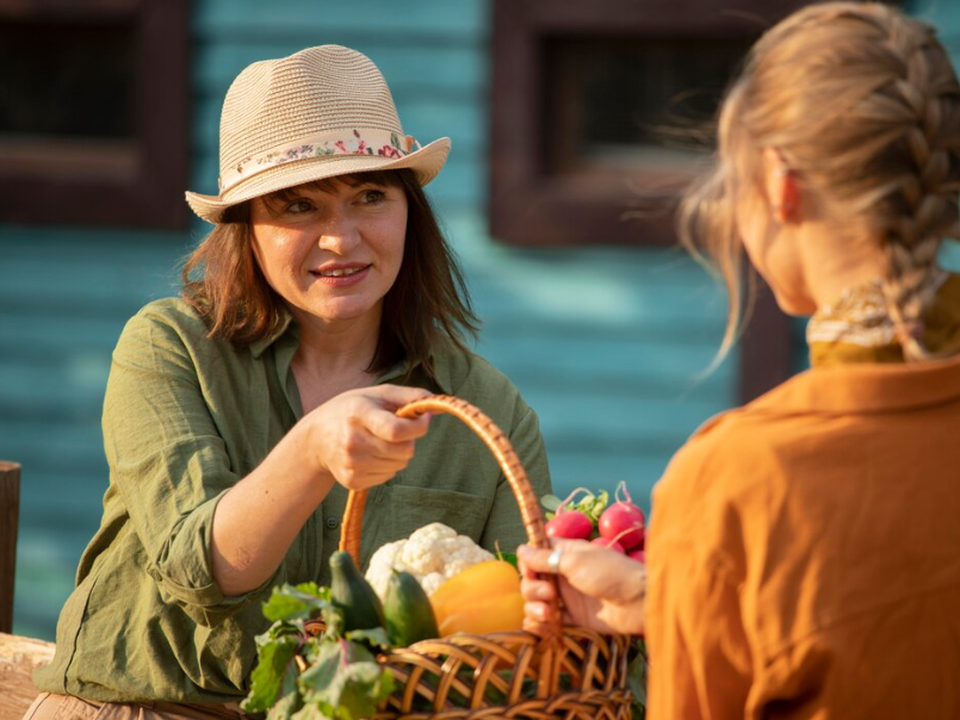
(529, 208)
(148, 195)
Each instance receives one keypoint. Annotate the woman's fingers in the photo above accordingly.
(394, 397)
(534, 560)
(537, 590)
(537, 560)
(359, 438)
(538, 612)
(378, 414)
(385, 425)
(536, 627)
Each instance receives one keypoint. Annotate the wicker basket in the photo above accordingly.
(572, 673)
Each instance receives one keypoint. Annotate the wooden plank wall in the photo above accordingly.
(64, 298)
(605, 344)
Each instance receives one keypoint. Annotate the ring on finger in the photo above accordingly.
(553, 561)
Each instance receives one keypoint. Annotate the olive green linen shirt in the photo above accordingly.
(185, 417)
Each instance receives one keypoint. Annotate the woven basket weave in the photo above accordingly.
(572, 673)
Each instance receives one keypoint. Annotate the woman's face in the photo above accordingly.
(332, 254)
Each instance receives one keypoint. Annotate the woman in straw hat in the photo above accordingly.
(237, 417)
(803, 552)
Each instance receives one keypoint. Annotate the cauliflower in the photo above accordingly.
(432, 554)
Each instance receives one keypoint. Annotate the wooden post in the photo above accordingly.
(9, 515)
(766, 348)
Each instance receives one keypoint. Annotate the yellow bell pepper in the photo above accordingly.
(482, 599)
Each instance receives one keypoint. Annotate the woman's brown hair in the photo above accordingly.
(864, 106)
(427, 302)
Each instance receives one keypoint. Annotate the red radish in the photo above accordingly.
(609, 543)
(638, 555)
(623, 520)
(570, 524)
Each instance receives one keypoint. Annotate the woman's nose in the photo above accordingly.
(339, 233)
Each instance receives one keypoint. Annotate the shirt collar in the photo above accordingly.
(441, 365)
(285, 324)
(867, 388)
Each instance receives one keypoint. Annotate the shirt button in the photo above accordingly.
(331, 523)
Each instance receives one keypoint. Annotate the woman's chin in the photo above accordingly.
(344, 310)
(796, 306)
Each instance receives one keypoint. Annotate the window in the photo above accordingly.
(595, 106)
(93, 112)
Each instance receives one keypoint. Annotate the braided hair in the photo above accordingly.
(863, 103)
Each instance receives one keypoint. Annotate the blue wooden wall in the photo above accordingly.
(605, 344)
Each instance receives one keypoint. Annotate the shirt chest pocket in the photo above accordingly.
(398, 510)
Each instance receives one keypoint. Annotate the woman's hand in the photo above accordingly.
(357, 438)
(599, 589)
(354, 439)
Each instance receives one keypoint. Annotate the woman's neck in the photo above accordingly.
(333, 358)
(835, 262)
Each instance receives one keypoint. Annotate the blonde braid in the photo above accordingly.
(924, 204)
(863, 104)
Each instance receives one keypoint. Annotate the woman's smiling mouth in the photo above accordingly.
(341, 274)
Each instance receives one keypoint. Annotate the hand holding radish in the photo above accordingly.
(599, 589)
(602, 587)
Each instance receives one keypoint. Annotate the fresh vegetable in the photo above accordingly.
(571, 524)
(483, 598)
(623, 520)
(637, 678)
(361, 608)
(586, 516)
(638, 555)
(407, 611)
(336, 675)
(432, 554)
(580, 500)
(342, 681)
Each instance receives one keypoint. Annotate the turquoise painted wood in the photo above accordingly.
(64, 298)
(438, 21)
(432, 54)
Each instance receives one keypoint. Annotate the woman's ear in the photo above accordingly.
(783, 193)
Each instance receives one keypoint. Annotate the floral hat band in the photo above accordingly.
(379, 143)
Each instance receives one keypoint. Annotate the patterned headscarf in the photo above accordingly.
(858, 328)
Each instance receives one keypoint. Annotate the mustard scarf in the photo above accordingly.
(857, 329)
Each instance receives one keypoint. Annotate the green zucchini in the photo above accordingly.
(407, 611)
(349, 591)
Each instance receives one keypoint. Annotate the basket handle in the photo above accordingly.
(498, 443)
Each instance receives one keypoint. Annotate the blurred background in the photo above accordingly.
(572, 122)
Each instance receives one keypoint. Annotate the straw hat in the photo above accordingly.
(321, 112)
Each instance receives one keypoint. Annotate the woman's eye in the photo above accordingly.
(299, 206)
(372, 197)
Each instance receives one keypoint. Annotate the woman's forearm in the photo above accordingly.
(256, 521)
(354, 439)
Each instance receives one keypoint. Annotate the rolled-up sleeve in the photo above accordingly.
(167, 462)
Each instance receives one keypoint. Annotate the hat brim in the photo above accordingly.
(425, 162)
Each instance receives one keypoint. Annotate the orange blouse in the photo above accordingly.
(804, 553)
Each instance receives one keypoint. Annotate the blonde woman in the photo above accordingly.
(804, 551)
(238, 416)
